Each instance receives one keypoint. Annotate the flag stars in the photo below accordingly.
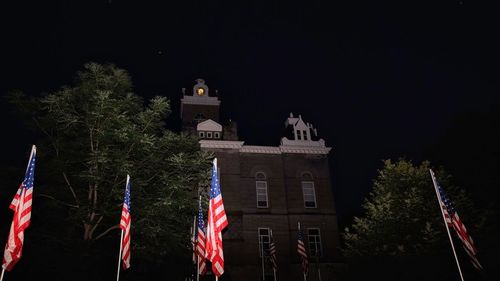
(30, 172)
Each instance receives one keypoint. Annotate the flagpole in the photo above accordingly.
(3, 271)
(197, 256)
(446, 224)
(194, 245)
(197, 268)
(262, 252)
(119, 257)
(317, 261)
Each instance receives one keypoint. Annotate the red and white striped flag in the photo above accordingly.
(216, 222)
(200, 243)
(301, 249)
(21, 205)
(125, 224)
(453, 220)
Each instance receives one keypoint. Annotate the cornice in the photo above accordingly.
(200, 100)
(260, 149)
(238, 145)
(221, 144)
(305, 150)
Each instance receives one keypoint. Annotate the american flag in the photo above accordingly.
(125, 223)
(200, 243)
(21, 205)
(453, 220)
(272, 253)
(301, 249)
(216, 222)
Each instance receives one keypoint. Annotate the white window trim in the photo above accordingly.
(201, 134)
(314, 194)
(320, 241)
(209, 135)
(258, 238)
(216, 135)
(256, 194)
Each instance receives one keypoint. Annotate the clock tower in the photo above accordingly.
(198, 106)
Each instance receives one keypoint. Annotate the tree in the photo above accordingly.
(96, 132)
(402, 220)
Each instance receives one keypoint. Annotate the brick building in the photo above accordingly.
(269, 189)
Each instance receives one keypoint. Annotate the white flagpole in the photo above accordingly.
(119, 257)
(193, 242)
(195, 251)
(318, 263)
(261, 240)
(197, 256)
(3, 271)
(33, 150)
(197, 268)
(446, 224)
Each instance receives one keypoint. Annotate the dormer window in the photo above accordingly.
(304, 133)
(210, 129)
(299, 136)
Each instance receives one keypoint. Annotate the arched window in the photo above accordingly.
(308, 191)
(261, 190)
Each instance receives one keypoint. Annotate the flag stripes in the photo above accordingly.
(125, 224)
(200, 243)
(21, 205)
(216, 222)
(453, 220)
(301, 249)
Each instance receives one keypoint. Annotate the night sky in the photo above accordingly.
(377, 79)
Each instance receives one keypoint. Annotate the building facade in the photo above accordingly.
(269, 190)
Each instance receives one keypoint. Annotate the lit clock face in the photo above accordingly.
(200, 91)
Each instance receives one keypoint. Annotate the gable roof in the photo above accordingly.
(209, 125)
